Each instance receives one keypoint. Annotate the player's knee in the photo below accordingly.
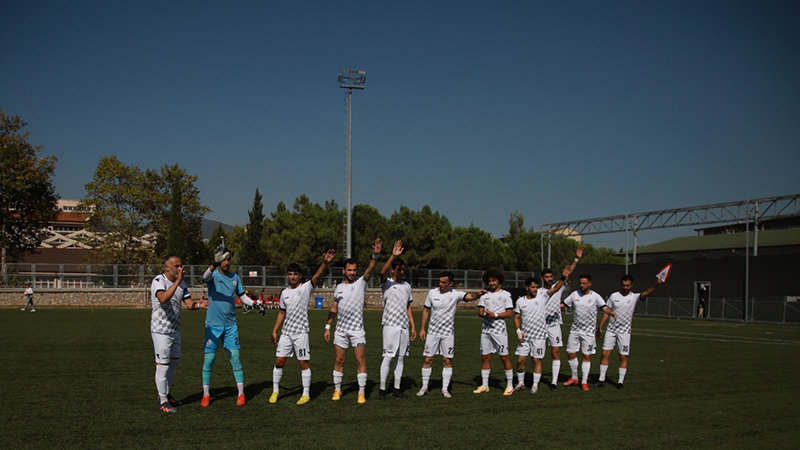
(236, 363)
(279, 362)
(208, 361)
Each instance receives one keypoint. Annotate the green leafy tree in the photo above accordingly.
(252, 254)
(118, 198)
(303, 233)
(131, 212)
(167, 180)
(176, 240)
(27, 194)
(368, 224)
(471, 248)
(422, 233)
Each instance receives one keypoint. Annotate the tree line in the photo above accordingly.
(138, 216)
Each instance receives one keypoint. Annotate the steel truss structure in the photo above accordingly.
(744, 211)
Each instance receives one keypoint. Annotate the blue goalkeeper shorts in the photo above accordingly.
(229, 335)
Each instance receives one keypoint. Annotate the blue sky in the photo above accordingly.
(558, 110)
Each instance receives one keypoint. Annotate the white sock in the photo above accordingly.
(603, 370)
(556, 370)
(573, 366)
(447, 373)
(586, 366)
(277, 373)
(161, 382)
(206, 389)
(536, 378)
(386, 365)
(337, 380)
(398, 372)
(362, 382)
(426, 376)
(173, 368)
(485, 377)
(520, 377)
(510, 378)
(240, 387)
(306, 377)
(622, 373)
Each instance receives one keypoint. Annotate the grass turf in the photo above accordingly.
(84, 378)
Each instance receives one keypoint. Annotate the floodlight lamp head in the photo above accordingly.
(352, 79)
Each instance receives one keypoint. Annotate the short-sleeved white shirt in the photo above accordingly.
(624, 306)
(443, 307)
(533, 311)
(295, 303)
(349, 299)
(584, 309)
(496, 302)
(166, 317)
(396, 297)
(554, 308)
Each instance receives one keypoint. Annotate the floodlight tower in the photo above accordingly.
(349, 79)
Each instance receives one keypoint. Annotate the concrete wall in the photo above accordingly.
(140, 298)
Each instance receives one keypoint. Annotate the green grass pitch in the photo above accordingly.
(84, 378)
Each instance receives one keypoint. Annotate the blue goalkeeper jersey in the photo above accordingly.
(222, 292)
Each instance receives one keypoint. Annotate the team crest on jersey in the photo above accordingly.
(209, 342)
(235, 283)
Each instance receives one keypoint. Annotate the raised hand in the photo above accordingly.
(376, 248)
(329, 255)
(398, 248)
(579, 252)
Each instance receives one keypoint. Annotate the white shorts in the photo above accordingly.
(167, 346)
(554, 335)
(585, 342)
(289, 344)
(533, 347)
(395, 341)
(622, 340)
(439, 345)
(347, 339)
(494, 343)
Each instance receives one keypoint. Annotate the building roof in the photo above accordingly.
(767, 238)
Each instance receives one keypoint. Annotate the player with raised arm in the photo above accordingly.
(441, 305)
(585, 303)
(168, 292)
(623, 303)
(221, 326)
(293, 315)
(397, 318)
(530, 312)
(348, 308)
(495, 306)
(554, 318)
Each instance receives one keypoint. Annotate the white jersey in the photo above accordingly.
(624, 306)
(533, 311)
(496, 302)
(295, 303)
(349, 299)
(584, 309)
(396, 298)
(554, 308)
(443, 306)
(166, 317)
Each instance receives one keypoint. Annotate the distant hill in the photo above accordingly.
(209, 225)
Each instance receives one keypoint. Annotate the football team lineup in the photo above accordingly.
(537, 317)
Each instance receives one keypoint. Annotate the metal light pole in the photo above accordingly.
(349, 79)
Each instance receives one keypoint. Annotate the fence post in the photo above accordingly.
(116, 275)
(264, 276)
(33, 274)
(669, 306)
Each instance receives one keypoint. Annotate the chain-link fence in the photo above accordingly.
(77, 276)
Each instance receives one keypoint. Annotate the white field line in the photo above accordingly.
(713, 337)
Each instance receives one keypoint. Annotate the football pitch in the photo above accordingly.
(84, 378)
